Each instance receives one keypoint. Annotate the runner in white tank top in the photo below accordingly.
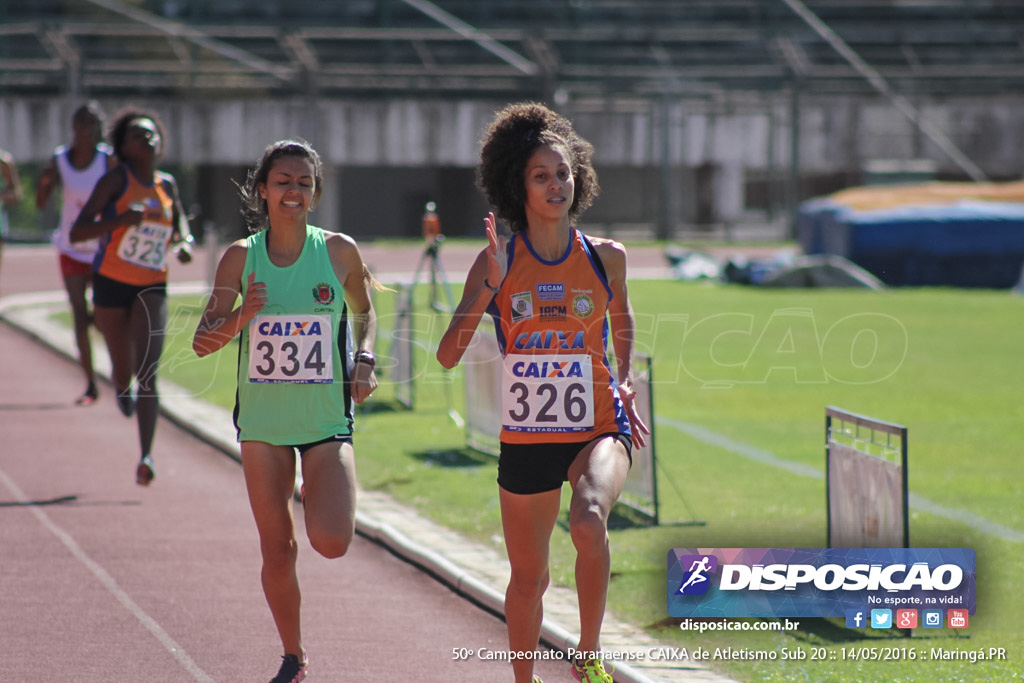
(77, 184)
(77, 168)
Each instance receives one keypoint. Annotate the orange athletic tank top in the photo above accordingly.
(137, 255)
(551, 321)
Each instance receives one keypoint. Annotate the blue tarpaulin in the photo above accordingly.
(968, 243)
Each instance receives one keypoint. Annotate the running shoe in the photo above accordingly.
(536, 679)
(89, 397)
(144, 472)
(125, 402)
(291, 671)
(591, 671)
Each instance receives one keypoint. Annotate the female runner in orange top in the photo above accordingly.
(555, 296)
(137, 215)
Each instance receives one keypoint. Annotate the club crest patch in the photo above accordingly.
(582, 306)
(522, 306)
(323, 294)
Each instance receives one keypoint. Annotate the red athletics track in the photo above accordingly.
(102, 580)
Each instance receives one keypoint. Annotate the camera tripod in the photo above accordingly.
(437, 275)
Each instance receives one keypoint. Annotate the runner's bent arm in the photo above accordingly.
(107, 190)
(221, 321)
(623, 332)
(180, 234)
(11, 193)
(483, 278)
(49, 179)
(355, 278)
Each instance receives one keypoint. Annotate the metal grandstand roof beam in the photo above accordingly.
(542, 52)
(423, 52)
(479, 37)
(61, 47)
(794, 56)
(181, 51)
(875, 79)
(177, 29)
(927, 49)
(912, 58)
(301, 51)
(58, 44)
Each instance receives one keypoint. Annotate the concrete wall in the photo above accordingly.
(387, 158)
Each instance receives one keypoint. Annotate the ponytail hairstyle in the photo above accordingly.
(254, 207)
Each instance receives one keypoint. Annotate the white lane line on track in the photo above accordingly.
(110, 584)
(916, 501)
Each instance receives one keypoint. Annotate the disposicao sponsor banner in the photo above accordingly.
(817, 582)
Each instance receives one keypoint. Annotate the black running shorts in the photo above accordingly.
(540, 467)
(111, 293)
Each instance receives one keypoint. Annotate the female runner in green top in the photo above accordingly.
(297, 373)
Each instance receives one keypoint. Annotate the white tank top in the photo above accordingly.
(77, 185)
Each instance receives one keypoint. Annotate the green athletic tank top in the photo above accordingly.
(293, 358)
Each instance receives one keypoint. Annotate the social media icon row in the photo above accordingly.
(905, 618)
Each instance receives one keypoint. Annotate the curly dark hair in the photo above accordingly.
(123, 119)
(254, 207)
(509, 142)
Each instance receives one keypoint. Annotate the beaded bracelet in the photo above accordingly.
(363, 356)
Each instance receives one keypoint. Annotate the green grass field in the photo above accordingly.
(758, 366)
